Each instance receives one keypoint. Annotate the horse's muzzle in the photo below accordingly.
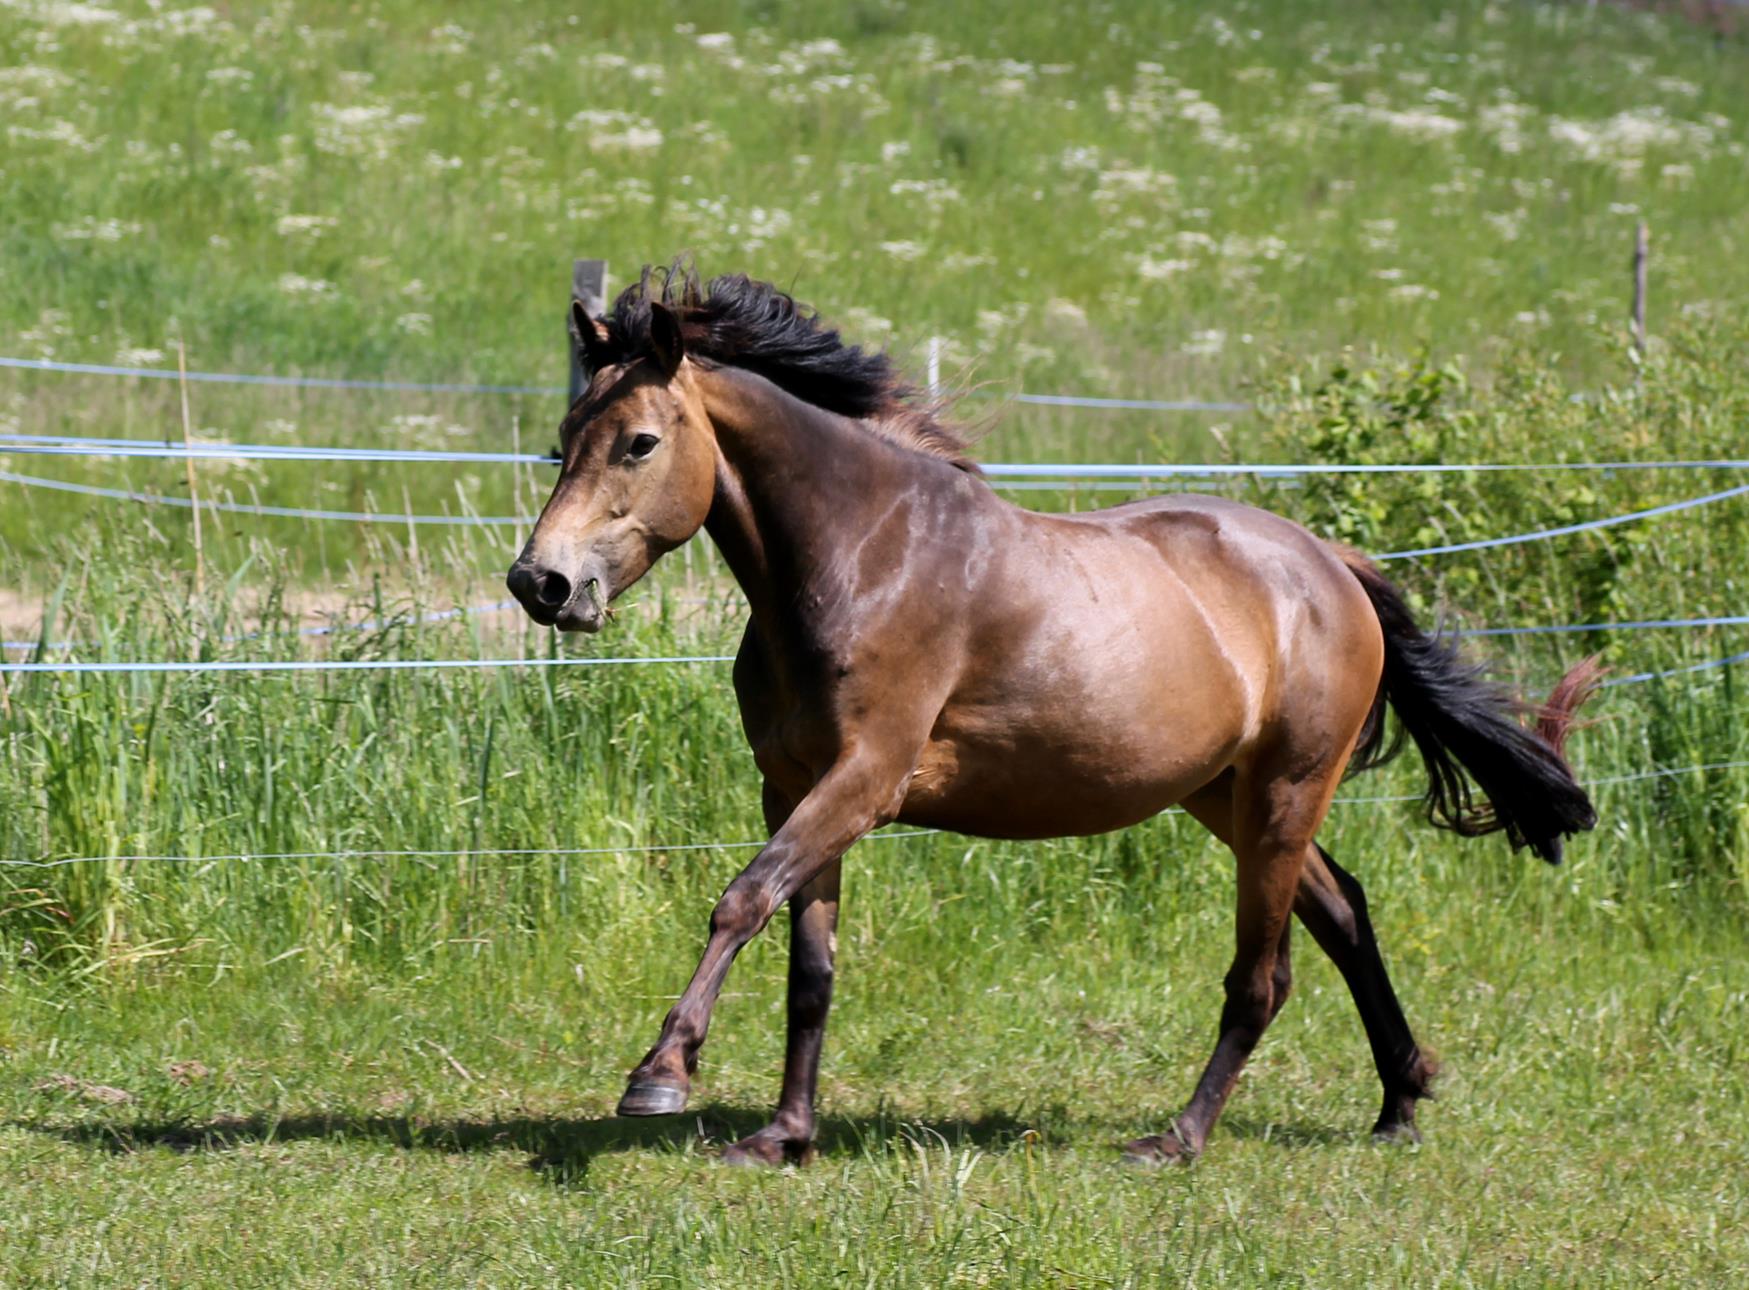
(554, 600)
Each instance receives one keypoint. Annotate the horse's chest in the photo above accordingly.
(791, 745)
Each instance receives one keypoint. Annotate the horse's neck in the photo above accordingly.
(793, 484)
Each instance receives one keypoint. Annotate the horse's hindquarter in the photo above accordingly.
(1122, 659)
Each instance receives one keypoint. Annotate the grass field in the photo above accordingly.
(1402, 233)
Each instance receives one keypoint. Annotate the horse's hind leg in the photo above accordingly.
(1268, 819)
(1333, 907)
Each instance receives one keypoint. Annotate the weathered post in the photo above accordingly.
(1642, 249)
(588, 284)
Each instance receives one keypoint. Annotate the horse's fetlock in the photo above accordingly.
(1422, 1072)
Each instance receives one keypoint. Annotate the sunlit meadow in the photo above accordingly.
(1400, 233)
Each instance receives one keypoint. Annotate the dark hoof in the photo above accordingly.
(1400, 1131)
(1161, 1149)
(769, 1152)
(650, 1098)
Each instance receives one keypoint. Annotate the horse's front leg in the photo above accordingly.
(813, 941)
(858, 794)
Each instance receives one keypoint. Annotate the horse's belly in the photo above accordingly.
(1041, 788)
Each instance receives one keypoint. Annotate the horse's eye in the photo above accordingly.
(642, 446)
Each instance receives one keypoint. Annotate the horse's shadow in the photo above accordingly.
(559, 1148)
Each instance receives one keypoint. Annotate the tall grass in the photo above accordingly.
(621, 759)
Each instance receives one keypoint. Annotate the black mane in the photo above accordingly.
(739, 322)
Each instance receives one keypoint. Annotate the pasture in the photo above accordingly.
(359, 1010)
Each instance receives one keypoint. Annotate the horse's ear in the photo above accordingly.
(590, 336)
(665, 340)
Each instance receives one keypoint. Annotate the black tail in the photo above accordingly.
(1460, 720)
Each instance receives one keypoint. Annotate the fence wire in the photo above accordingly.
(512, 853)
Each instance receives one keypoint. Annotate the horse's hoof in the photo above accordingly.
(770, 1153)
(1160, 1149)
(1403, 1131)
(647, 1097)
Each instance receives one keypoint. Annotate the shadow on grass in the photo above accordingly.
(559, 1148)
(1291, 1136)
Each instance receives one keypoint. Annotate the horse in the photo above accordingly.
(921, 650)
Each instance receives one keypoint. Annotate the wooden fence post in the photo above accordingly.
(1642, 250)
(588, 284)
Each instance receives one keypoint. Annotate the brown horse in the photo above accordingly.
(922, 650)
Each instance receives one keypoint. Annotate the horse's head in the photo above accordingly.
(637, 474)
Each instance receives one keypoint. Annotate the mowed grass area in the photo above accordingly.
(344, 1066)
(452, 1125)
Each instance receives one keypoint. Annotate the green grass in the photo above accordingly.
(1133, 199)
(406, 1063)
(453, 1125)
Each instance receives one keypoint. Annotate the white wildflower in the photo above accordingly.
(1064, 313)
(61, 13)
(51, 325)
(864, 324)
(1417, 123)
(414, 324)
(1379, 234)
(1507, 225)
(1205, 344)
(89, 229)
(1628, 136)
(1504, 123)
(903, 250)
(300, 287)
(62, 134)
(1159, 270)
(936, 193)
(960, 261)
(360, 130)
(305, 226)
(451, 39)
(635, 138)
(228, 143)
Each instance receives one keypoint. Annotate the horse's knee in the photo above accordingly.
(740, 912)
(1250, 1002)
(1281, 985)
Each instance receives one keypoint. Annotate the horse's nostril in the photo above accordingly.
(543, 591)
(552, 589)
